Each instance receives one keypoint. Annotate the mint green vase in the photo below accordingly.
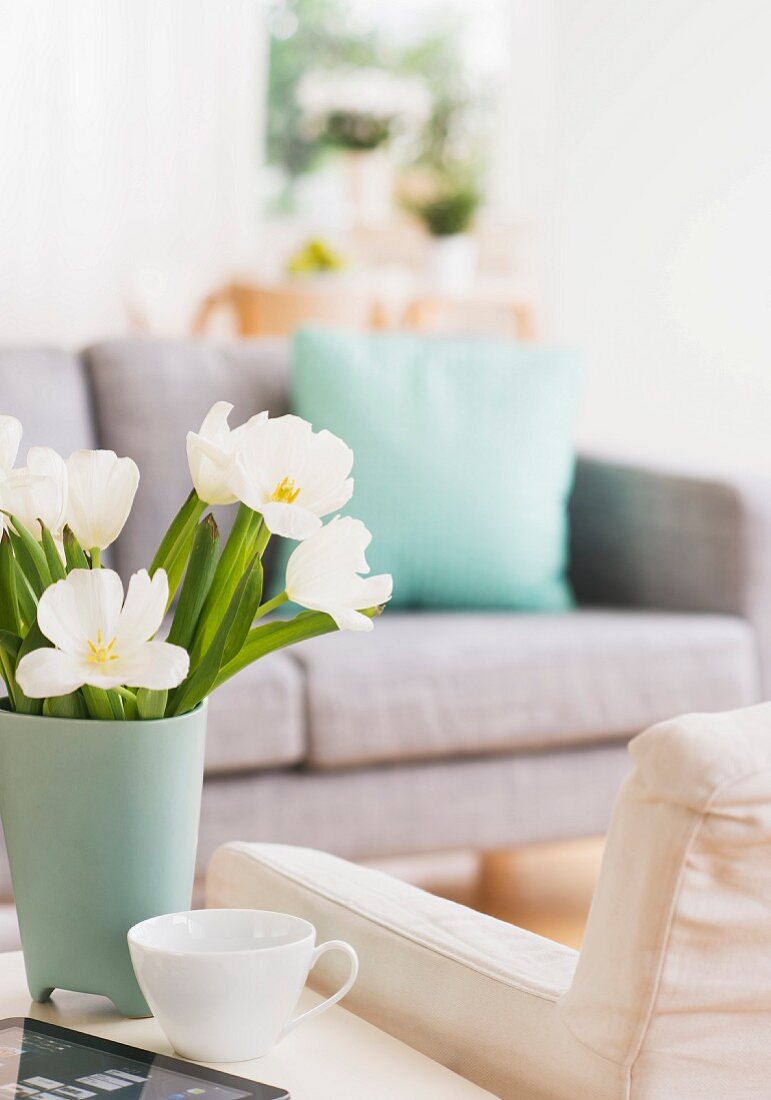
(101, 826)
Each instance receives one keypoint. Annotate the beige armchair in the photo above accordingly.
(671, 994)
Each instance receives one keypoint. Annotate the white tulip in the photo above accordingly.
(211, 451)
(99, 639)
(292, 475)
(37, 492)
(10, 438)
(323, 574)
(101, 491)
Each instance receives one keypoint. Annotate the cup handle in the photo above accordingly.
(353, 958)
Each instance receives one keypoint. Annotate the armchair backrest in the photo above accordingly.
(674, 979)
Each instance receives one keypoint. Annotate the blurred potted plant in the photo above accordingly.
(446, 200)
(358, 111)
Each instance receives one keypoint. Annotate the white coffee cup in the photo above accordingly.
(223, 983)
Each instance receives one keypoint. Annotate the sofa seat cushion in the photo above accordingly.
(440, 685)
(256, 720)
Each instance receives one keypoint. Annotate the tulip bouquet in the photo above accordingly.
(73, 645)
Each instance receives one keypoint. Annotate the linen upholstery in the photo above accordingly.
(674, 980)
(471, 992)
(643, 537)
(438, 685)
(149, 393)
(48, 391)
(671, 995)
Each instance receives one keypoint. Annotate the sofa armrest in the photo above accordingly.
(642, 537)
(471, 992)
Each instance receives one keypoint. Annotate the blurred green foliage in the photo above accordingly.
(320, 34)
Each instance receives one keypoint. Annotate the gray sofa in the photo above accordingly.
(437, 730)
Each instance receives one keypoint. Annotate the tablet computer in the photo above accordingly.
(40, 1061)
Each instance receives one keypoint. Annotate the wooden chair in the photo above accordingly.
(278, 311)
(473, 313)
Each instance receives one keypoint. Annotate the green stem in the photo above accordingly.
(96, 558)
(98, 702)
(271, 605)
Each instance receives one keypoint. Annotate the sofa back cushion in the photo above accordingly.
(463, 460)
(149, 393)
(48, 391)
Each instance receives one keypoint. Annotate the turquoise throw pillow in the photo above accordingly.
(463, 460)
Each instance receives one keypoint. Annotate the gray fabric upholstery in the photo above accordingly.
(365, 813)
(48, 391)
(257, 719)
(149, 393)
(438, 685)
(650, 538)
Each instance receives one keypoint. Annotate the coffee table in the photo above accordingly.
(334, 1057)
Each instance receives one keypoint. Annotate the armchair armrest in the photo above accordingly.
(642, 537)
(471, 992)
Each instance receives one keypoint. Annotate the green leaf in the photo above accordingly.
(198, 684)
(53, 561)
(225, 582)
(9, 598)
(151, 704)
(180, 528)
(272, 636)
(27, 601)
(6, 671)
(65, 706)
(247, 609)
(198, 579)
(74, 552)
(30, 557)
(10, 643)
(35, 639)
(177, 567)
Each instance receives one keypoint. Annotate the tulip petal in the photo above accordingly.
(143, 610)
(326, 486)
(290, 521)
(215, 424)
(211, 452)
(81, 608)
(46, 672)
(154, 665)
(10, 440)
(38, 491)
(102, 488)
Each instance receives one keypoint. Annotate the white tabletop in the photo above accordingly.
(336, 1056)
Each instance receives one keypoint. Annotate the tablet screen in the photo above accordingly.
(43, 1062)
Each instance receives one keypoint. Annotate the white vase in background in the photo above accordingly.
(452, 263)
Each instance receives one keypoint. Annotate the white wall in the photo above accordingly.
(660, 260)
(129, 138)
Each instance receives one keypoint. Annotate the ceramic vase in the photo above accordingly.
(452, 263)
(101, 827)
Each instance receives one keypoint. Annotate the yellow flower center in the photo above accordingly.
(101, 654)
(285, 492)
